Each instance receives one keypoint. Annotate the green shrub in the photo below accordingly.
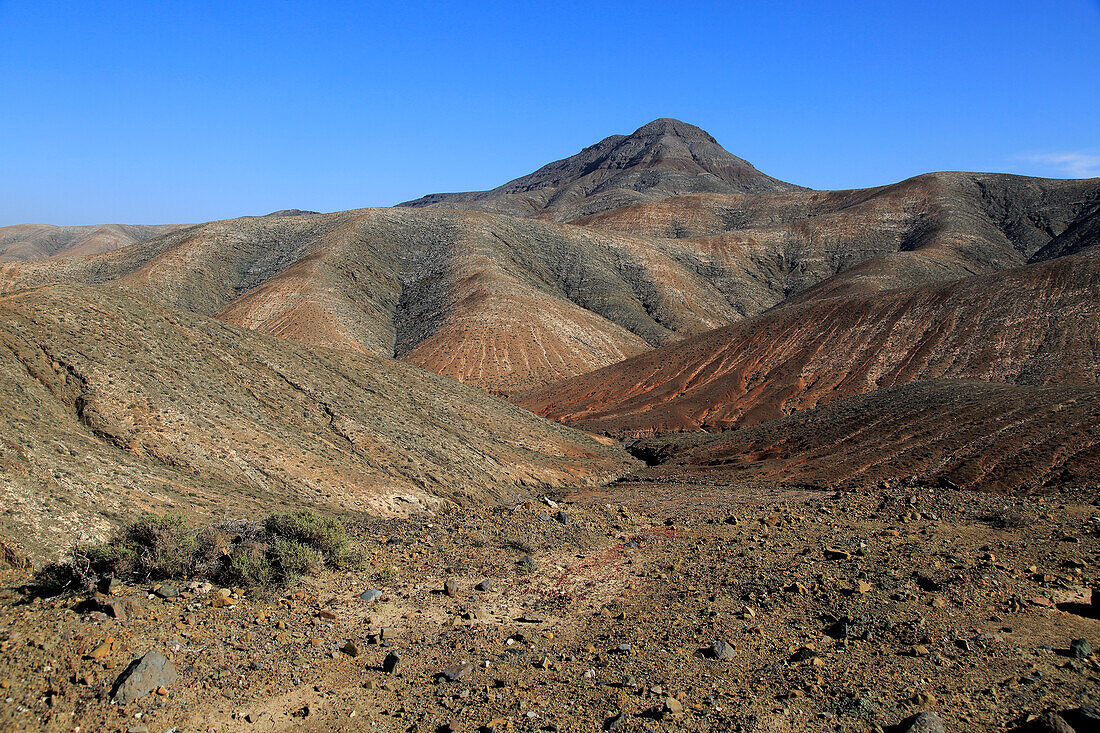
(162, 546)
(249, 566)
(386, 574)
(291, 560)
(324, 534)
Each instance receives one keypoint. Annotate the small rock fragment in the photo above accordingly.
(454, 674)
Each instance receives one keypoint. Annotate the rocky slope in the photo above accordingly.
(162, 409)
(665, 158)
(23, 242)
(1036, 325)
(984, 436)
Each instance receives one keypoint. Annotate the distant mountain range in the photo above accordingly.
(23, 242)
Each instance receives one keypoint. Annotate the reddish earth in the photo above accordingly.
(977, 435)
(1033, 325)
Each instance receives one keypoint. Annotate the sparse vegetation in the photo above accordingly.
(273, 553)
(386, 574)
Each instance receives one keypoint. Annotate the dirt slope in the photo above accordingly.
(979, 435)
(1039, 324)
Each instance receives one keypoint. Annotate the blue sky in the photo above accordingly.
(150, 112)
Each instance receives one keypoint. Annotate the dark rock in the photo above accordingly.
(615, 722)
(922, 723)
(144, 675)
(722, 650)
(841, 629)
(389, 664)
(484, 586)
(450, 587)
(1084, 718)
(1050, 722)
(563, 518)
(1080, 648)
(166, 591)
(123, 609)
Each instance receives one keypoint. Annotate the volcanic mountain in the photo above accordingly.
(665, 158)
(1034, 325)
(23, 242)
(113, 405)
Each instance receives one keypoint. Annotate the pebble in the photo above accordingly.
(484, 586)
(450, 587)
(370, 595)
(389, 664)
(455, 673)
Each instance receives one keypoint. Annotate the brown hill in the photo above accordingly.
(162, 409)
(500, 302)
(1036, 325)
(23, 242)
(665, 158)
(978, 435)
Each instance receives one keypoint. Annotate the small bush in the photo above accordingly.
(386, 574)
(162, 547)
(324, 534)
(291, 560)
(248, 567)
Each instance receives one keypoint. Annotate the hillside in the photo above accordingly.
(1033, 325)
(978, 435)
(496, 301)
(164, 410)
(511, 304)
(23, 242)
(664, 158)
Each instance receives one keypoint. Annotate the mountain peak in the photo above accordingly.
(672, 127)
(664, 158)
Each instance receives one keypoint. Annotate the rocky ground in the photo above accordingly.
(634, 607)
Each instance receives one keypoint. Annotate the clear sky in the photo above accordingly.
(156, 112)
